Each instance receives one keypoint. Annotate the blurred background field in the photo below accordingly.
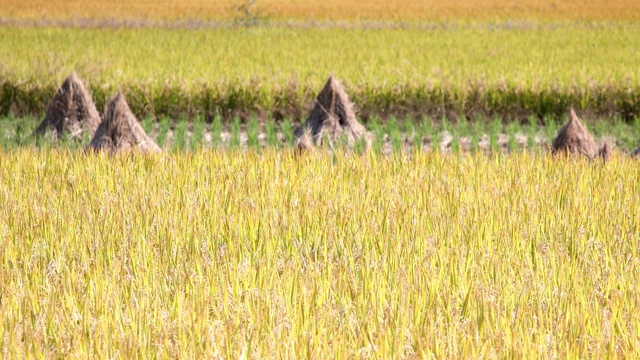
(264, 58)
(275, 72)
(399, 10)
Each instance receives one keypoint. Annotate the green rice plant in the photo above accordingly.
(635, 130)
(197, 136)
(234, 130)
(147, 124)
(253, 130)
(433, 129)
(163, 130)
(287, 131)
(624, 134)
(479, 128)
(410, 131)
(494, 128)
(6, 129)
(86, 137)
(531, 131)
(455, 143)
(180, 134)
(464, 129)
(463, 126)
(395, 133)
(552, 126)
(360, 146)
(448, 127)
(375, 126)
(424, 131)
(341, 143)
(271, 133)
(16, 132)
(512, 129)
(216, 131)
(599, 128)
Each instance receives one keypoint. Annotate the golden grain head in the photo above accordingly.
(233, 254)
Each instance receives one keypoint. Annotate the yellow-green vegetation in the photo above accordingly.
(272, 56)
(490, 70)
(267, 255)
(331, 9)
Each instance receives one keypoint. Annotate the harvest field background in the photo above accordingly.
(456, 236)
(395, 10)
(510, 66)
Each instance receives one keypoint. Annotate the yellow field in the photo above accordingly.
(333, 9)
(267, 256)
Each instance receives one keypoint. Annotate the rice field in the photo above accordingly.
(384, 137)
(394, 10)
(247, 255)
(449, 231)
(489, 71)
(535, 56)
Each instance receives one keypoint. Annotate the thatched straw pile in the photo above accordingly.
(71, 109)
(575, 139)
(605, 150)
(332, 116)
(120, 130)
